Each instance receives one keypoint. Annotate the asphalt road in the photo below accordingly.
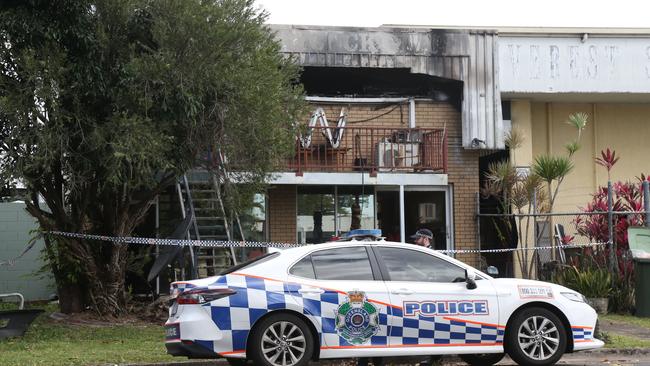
(606, 357)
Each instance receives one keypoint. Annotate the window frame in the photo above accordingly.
(384, 269)
(375, 268)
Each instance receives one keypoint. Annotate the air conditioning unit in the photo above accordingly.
(393, 155)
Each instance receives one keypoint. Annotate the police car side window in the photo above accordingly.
(342, 264)
(413, 265)
(303, 268)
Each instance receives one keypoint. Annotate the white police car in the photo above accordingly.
(368, 299)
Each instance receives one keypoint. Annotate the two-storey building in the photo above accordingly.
(408, 113)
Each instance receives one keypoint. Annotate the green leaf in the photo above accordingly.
(551, 168)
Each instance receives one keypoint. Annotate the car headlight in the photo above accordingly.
(574, 296)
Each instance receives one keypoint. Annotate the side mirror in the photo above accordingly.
(493, 271)
(470, 278)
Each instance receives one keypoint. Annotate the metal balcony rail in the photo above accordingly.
(370, 149)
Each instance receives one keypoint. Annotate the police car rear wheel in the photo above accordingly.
(536, 337)
(282, 340)
(484, 359)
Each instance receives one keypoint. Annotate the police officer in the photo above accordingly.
(423, 237)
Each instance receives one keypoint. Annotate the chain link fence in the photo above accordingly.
(540, 242)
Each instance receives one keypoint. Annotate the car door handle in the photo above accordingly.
(313, 291)
(402, 291)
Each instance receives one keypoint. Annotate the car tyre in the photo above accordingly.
(482, 359)
(536, 337)
(281, 337)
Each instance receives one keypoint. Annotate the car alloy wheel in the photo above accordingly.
(283, 343)
(281, 340)
(536, 337)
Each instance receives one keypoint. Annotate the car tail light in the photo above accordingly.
(201, 296)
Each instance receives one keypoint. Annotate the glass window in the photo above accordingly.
(315, 222)
(253, 224)
(303, 268)
(355, 208)
(413, 265)
(345, 264)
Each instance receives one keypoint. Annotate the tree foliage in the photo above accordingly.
(104, 103)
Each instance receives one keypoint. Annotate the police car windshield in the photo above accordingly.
(249, 263)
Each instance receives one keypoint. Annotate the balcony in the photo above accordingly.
(370, 149)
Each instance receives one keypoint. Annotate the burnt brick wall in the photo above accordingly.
(282, 213)
(463, 171)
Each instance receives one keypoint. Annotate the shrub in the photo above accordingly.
(591, 282)
(626, 197)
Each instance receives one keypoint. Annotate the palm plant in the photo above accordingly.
(524, 193)
(516, 192)
(553, 169)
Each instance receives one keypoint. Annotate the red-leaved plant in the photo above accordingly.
(608, 159)
(626, 197)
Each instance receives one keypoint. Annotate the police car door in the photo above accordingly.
(437, 308)
(348, 299)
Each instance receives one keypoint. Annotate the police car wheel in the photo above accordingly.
(536, 337)
(281, 339)
(483, 359)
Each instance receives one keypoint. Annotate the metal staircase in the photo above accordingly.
(201, 192)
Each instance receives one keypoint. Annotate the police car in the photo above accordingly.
(373, 299)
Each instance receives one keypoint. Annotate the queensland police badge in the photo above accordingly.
(356, 319)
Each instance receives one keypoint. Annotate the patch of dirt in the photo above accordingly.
(139, 313)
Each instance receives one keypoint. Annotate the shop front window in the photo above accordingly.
(355, 208)
(316, 207)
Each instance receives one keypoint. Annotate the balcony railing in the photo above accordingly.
(370, 149)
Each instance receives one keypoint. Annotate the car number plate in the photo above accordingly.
(172, 332)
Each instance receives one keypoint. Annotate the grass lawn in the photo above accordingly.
(48, 342)
(642, 322)
(613, 340)
(621, 341)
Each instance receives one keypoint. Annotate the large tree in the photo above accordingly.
(104, 103)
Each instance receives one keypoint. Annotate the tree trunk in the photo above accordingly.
(70, 298)
(106, 290)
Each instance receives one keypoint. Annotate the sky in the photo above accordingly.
(494, 13)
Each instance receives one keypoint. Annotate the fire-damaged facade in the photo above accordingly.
(399, 119)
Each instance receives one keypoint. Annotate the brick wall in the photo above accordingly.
(463, 171)
(282, 213)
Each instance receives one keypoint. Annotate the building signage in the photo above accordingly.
(584, 64)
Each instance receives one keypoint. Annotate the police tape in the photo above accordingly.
(505, 250)
(12, 262)
(256, 244)
(175, 242)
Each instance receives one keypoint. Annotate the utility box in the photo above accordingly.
(639, 240)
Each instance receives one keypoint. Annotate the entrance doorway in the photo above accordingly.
(423, 208)
(388, 214)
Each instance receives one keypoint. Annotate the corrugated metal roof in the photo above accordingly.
(468, 56)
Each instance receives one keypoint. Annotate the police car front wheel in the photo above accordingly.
(281, 340)
(536, 337)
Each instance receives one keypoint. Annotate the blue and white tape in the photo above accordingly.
(255, 244)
